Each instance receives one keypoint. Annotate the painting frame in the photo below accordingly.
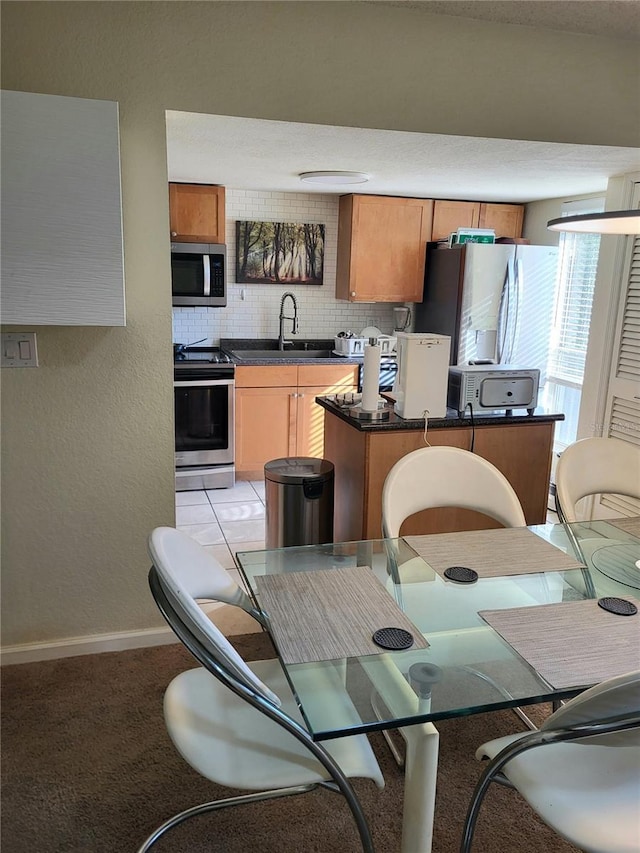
(281, 253)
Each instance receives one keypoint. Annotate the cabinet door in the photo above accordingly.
(505, 219)
(265, 426)
(448, 216)
(196, 213)
(310, 418)
(381, 248)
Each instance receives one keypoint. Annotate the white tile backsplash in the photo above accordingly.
(252, 309)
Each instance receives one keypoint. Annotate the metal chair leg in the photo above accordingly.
(219, 804)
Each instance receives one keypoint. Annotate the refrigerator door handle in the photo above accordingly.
(518, 288)
(504, 310)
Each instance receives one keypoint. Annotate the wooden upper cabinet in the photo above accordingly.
(448, 216)
(196, 213)
(381, 248)
(505, 219)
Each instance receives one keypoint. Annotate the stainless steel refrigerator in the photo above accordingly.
(495, 301)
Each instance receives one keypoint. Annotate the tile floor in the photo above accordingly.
(225, 521)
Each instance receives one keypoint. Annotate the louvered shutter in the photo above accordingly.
(629, 355)
(623, 404)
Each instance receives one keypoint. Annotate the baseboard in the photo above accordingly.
(91, 645)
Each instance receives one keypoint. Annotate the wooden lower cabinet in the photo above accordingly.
(276, 420)
(265, 426)
(362, 461)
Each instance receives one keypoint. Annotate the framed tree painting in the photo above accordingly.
(279, 253)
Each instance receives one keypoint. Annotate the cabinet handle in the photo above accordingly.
(174, 233)
(353, 293)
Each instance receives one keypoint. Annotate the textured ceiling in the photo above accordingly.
(269, 155)
(618, 19)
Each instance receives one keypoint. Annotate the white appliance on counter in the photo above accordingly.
(492, 387)
(423, 372)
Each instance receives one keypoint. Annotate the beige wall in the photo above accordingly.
(87, 465)
(538, 213)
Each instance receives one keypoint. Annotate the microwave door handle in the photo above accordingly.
(207, 275)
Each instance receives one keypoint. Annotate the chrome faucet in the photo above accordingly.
(294, 321)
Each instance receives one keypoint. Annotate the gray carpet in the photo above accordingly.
(87, 767)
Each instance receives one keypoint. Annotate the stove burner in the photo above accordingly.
(212, 355)
(201, 357)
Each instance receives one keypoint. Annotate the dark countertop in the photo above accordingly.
(291, 356)
(452, 419)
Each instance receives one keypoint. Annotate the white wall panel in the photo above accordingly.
(62, 260)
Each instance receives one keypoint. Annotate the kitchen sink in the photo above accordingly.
(279, 355)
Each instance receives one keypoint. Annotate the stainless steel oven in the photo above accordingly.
(204, 421)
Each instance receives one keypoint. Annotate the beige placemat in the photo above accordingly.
(492, 553)
(330, 614)
(573, 643)
(629, 525)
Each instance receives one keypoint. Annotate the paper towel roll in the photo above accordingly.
(371, 378)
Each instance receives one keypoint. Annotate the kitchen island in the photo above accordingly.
(519, 445)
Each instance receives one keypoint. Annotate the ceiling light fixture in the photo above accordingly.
(610, 222)
(334, 177)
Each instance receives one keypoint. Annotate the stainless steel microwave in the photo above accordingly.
(198, 274)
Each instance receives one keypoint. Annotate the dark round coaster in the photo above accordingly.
(619, 606)
(461, 574)
(392, 638)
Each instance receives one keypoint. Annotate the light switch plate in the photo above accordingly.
(19, 349)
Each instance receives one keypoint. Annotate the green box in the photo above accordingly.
(476, 235)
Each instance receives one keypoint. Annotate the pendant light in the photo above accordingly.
(609, 222)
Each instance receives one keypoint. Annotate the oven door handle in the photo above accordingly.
(202, 382)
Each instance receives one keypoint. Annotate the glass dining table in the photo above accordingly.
(507, 638)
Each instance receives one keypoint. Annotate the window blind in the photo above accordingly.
(575, 285)
(578, 265)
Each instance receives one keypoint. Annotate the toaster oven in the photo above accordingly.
(492, 387)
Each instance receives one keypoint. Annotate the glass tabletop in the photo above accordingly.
(611, 550)
(466, 668)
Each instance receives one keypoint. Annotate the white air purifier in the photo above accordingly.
(423, 373)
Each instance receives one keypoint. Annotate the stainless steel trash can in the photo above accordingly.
(299, 501)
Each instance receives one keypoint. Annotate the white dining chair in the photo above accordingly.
(595, 466)
(433, 477)
(447, 477)
(580, 772)
(235, 724)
